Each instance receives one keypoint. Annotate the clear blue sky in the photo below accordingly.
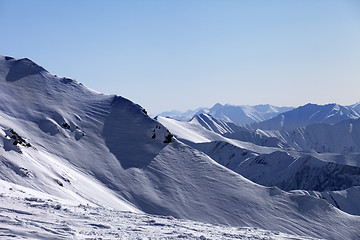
(183, 54)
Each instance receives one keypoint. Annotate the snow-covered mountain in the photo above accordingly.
(355, 107)
(228, 113)
(182, 116)
(342, 137)
(306, 115)
(213, 124)
(76, 146)
(245, 114)
(306, 128)
(275, 165)
(233, 131)
(277, 168)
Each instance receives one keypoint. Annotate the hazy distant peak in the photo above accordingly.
(238, 114)
(245, 114)
(308, 114)
(217, 106)
(355, 105)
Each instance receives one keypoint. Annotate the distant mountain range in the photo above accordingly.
(269, 117)
(182, 116)
(229, 113)
(308, 114)
(321, 128)
(313, 147)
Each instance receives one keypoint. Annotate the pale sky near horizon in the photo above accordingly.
(187, 54)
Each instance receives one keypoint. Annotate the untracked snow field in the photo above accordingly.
(26, 214)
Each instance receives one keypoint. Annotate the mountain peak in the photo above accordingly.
(216, 106)
(308, 114)
(21, 68)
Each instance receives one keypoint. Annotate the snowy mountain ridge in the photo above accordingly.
(274, 118)
(73, 144)
(212, 124)
(246, 114)
(341, 137)
(276, 163)
(306, 115)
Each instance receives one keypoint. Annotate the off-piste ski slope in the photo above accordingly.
(64, 145)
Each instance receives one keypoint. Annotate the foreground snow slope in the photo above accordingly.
(29, 214)
(99, 150)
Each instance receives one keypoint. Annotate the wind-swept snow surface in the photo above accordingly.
(64, 140)
(28, 214)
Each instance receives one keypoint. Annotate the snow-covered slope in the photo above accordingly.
(202, 127)
(193, 132)
(233, 131)
(342, 137)
(355, 107)
(298, 172)
(306, 115)
(213, 124)
(28, 214)
(347, 200)
(82, 147)
(286, 170)
(272, 166)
